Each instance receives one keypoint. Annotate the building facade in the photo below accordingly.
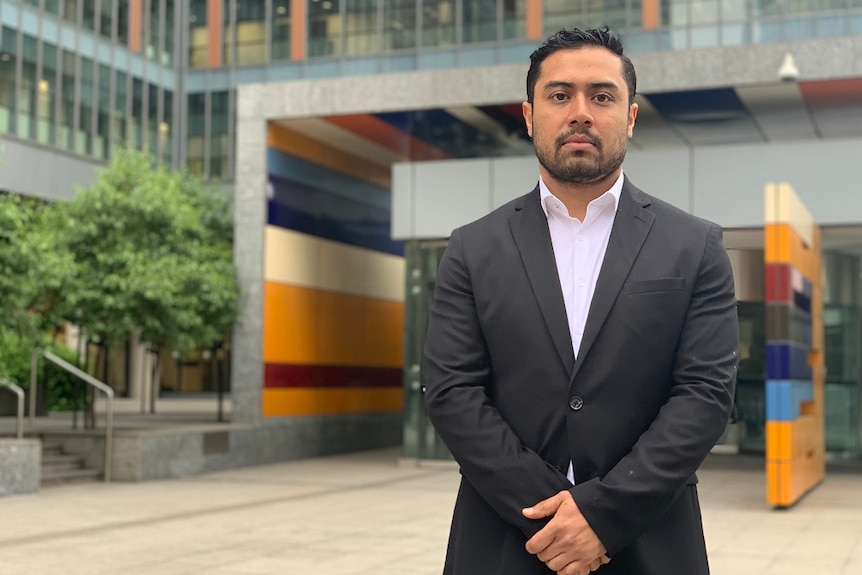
(339, 125)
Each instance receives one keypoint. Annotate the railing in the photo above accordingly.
(20, 393)
(87, 378)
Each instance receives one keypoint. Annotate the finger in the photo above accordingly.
(605, 559)
(595, 565)
(540, 541)
(544, 508)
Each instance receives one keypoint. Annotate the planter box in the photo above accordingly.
(20, 466)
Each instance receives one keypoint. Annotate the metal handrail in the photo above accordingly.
(87, 378)
(20, 393)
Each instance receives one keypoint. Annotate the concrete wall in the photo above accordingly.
(33, 170)
(721, 183)
(20, 466)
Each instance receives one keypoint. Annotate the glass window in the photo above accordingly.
(734, 10)
(611, 13)
(88, 19)
(123, 22)
(674, 12)
(563, 14)
(84, 133)
(136, 117)
(514, 19)
(165, 132)
(399, 25)
(761, 8)
(478, 20)
(250, 33)
(705, 11)
(438, 22)
(8, 58)
(121, 107)
(280, 34)
(152, 134)
(324, 28)
(360, 27)
(198, 34)
(196, 133)
(101, 139)
(27, 90)
(70, 10)
(168, 41)
(106, 18)
(47, 98)
(51, 6)
(152, 30)
(66, 135)
(219, 127)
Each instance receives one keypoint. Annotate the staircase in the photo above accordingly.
(59, 468)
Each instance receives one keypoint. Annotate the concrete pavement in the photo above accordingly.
(367, 514)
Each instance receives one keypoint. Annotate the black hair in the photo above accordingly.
(576, 38)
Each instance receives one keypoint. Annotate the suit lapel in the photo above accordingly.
(530, 230)
(630, 229)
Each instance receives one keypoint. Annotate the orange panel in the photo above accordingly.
(308, 326)
(651, 14)
(534, 20)
(373, 128)
(330, 401)
(832, 93)
(778, 440)
(783, 245)
(297, 31)
(302, 146)
(135, 13)
(214, 24)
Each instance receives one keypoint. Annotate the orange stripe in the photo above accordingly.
(651, 10)
(316, 327)
(373, 128)
(297, 31)
(214, 24)
(135, 13)
(306, 148)
(534, 20)
(310, 401)
(783, 245)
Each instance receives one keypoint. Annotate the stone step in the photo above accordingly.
(50, 477)
(57, 462)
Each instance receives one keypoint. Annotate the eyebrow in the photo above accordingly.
(554, 84)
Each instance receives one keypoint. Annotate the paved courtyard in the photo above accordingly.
(366, 514)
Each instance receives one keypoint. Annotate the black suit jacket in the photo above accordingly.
(637, 413)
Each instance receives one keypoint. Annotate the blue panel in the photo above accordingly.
(325, 215)
(104, 53)
(400, 63)
(86, 46)
(787, 361)
(121, 59)
(29, 23)
(519, 53)
(360, 66)
(784, 398)
(282, 71)
(250, 75)
(310, 174)
(67, 39)
(478, 56)
(49, 31)
(9, 14)
(436, 60)
(802, 301)
(698, 105)
(325, 69)
(442, 130)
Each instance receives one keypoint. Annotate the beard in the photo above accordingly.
(579, 167)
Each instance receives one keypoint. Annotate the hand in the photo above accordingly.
(567, 544)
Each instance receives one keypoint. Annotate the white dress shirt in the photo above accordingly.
(579, 249)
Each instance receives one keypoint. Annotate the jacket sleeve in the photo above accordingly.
(457, 376)
(639, 489)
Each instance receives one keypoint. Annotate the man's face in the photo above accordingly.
(580, 119)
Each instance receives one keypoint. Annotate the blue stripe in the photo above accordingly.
(296, 206)
(295, 169)
(787, 361)
(784, 398)
(442, 130)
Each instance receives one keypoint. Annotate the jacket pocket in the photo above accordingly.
(658, 284)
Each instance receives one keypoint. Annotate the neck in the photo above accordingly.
(576, 197)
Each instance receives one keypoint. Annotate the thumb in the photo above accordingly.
(544, 508)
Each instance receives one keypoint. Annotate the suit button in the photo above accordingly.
(576, 403)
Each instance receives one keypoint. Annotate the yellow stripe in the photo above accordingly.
(303, 260)
(783, 206)
(301, 146)
(308, 326)
(330, 401)
(783, 245)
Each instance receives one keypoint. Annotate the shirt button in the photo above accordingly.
(576, 403)
(580, 282)
(580, 238)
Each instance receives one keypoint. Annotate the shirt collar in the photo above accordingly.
(611, 197)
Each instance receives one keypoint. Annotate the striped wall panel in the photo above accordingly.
(795, 442)
(334, 284)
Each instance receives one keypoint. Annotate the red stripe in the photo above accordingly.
(778, 283)
(290, 375)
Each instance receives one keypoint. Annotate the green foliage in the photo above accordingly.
(65, 391)
(153, 251)
(34, 272)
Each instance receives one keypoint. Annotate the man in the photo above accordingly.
(581, 352)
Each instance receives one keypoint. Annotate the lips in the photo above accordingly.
(577, 139)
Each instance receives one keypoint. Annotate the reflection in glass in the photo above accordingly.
(198, 34)
(101, 140)
(399, 25)
(27, 90)
(106, 18)
(438, 22)
(219, 127)
(66, 136)
(514, 19)
(196, 132)
(478, 21)
(47, 98)
(564, 14)
(123, 21)
(360, 27)
(250, 33)
(280, 34)
(324, 28)
(8, 58)
(118, 117)
(84, 130)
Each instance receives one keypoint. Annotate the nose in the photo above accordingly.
(579, 111)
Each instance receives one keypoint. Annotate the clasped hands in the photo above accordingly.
(567, 544)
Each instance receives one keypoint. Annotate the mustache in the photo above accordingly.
(593, 139)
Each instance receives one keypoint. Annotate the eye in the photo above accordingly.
(603, 98)
(559, 97)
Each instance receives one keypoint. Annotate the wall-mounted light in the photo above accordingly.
(788, 72)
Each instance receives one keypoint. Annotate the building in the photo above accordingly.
(339, 125)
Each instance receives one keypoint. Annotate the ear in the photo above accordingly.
(633, 114)
(527, 110)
